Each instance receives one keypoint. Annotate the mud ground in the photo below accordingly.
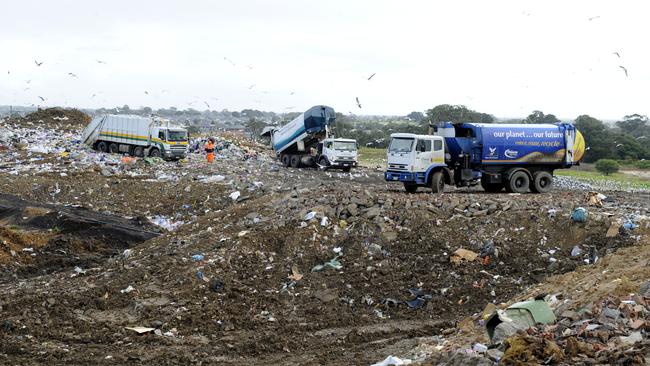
(236, 283)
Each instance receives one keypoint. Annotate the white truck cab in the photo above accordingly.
(338, 153)
(415, 160)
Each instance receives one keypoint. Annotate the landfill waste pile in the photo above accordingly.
(245, 262)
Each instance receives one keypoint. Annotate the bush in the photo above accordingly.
(643, 164)
(607, 166)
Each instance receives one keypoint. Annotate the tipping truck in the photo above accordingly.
(136, 136)
(514, 157)
(305, 142)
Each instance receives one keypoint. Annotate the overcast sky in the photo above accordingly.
(506, 58)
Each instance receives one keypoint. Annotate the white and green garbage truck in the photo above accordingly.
(136, 136)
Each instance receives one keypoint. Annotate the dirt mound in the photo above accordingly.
(54, 118)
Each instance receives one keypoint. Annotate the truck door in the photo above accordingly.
(569, 137)
(423, 154)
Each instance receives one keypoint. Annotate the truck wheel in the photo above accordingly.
(323, 162)
(437, 183)
(286, 160)
(295, 161)
(491, 187)
(138, 151)
(542, 182)
(410, 187)
(101, 146)
(154, 153)
(113, 148)
(518, 182)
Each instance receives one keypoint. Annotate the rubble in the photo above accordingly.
(301, 264)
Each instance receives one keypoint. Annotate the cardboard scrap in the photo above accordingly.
(463, 254)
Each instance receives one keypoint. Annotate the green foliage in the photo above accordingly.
(608, 143)
(255, 126)
(643, 164)
(194, 129)
(635, 125)
(538, 117)
(416, 116)
(456, 114)
(607, 166)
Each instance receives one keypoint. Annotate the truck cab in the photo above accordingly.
(417, 161)
(171, 142)
(337, 153)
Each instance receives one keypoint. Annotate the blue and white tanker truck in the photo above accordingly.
(305, 142)
(517, 157)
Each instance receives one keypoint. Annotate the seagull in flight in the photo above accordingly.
(592, 18)
(206, 103)
(146, 92)
(358, 102)
(232, 63)
(624, 69)
(72, 74)
(251, 87)
(43, 99)
(616, 53)
(372, 75)
(292, 93)
(101, 62)
(38, 63)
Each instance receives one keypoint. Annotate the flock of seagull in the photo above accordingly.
(358, 102)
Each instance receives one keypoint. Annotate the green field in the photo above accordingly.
(372, 157)
(594, 176)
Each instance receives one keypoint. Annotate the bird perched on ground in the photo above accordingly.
(38, 63)
(358, 102)
(487, 251)
(624, 69)
(372, 75)
(593, 255)
(72, 74)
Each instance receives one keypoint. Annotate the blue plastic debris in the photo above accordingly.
(579, 215)
(197, 257)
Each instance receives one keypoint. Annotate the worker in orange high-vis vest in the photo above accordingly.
(209, 149)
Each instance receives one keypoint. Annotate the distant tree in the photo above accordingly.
(125, 109)
(255, 126)
(635, 125)
(538, 117)
(194, 129)
(456, 114)
(236, 114)
(416, 116)
(607, 166)
(597, 136)
(146, 111)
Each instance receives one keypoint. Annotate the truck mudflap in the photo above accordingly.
(416, 178)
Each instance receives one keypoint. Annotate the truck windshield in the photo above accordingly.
(176, 136)
(400, 144)
(345, 145)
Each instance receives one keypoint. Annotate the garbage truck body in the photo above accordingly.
(305, 142)
(514, 157)
(136, 136)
